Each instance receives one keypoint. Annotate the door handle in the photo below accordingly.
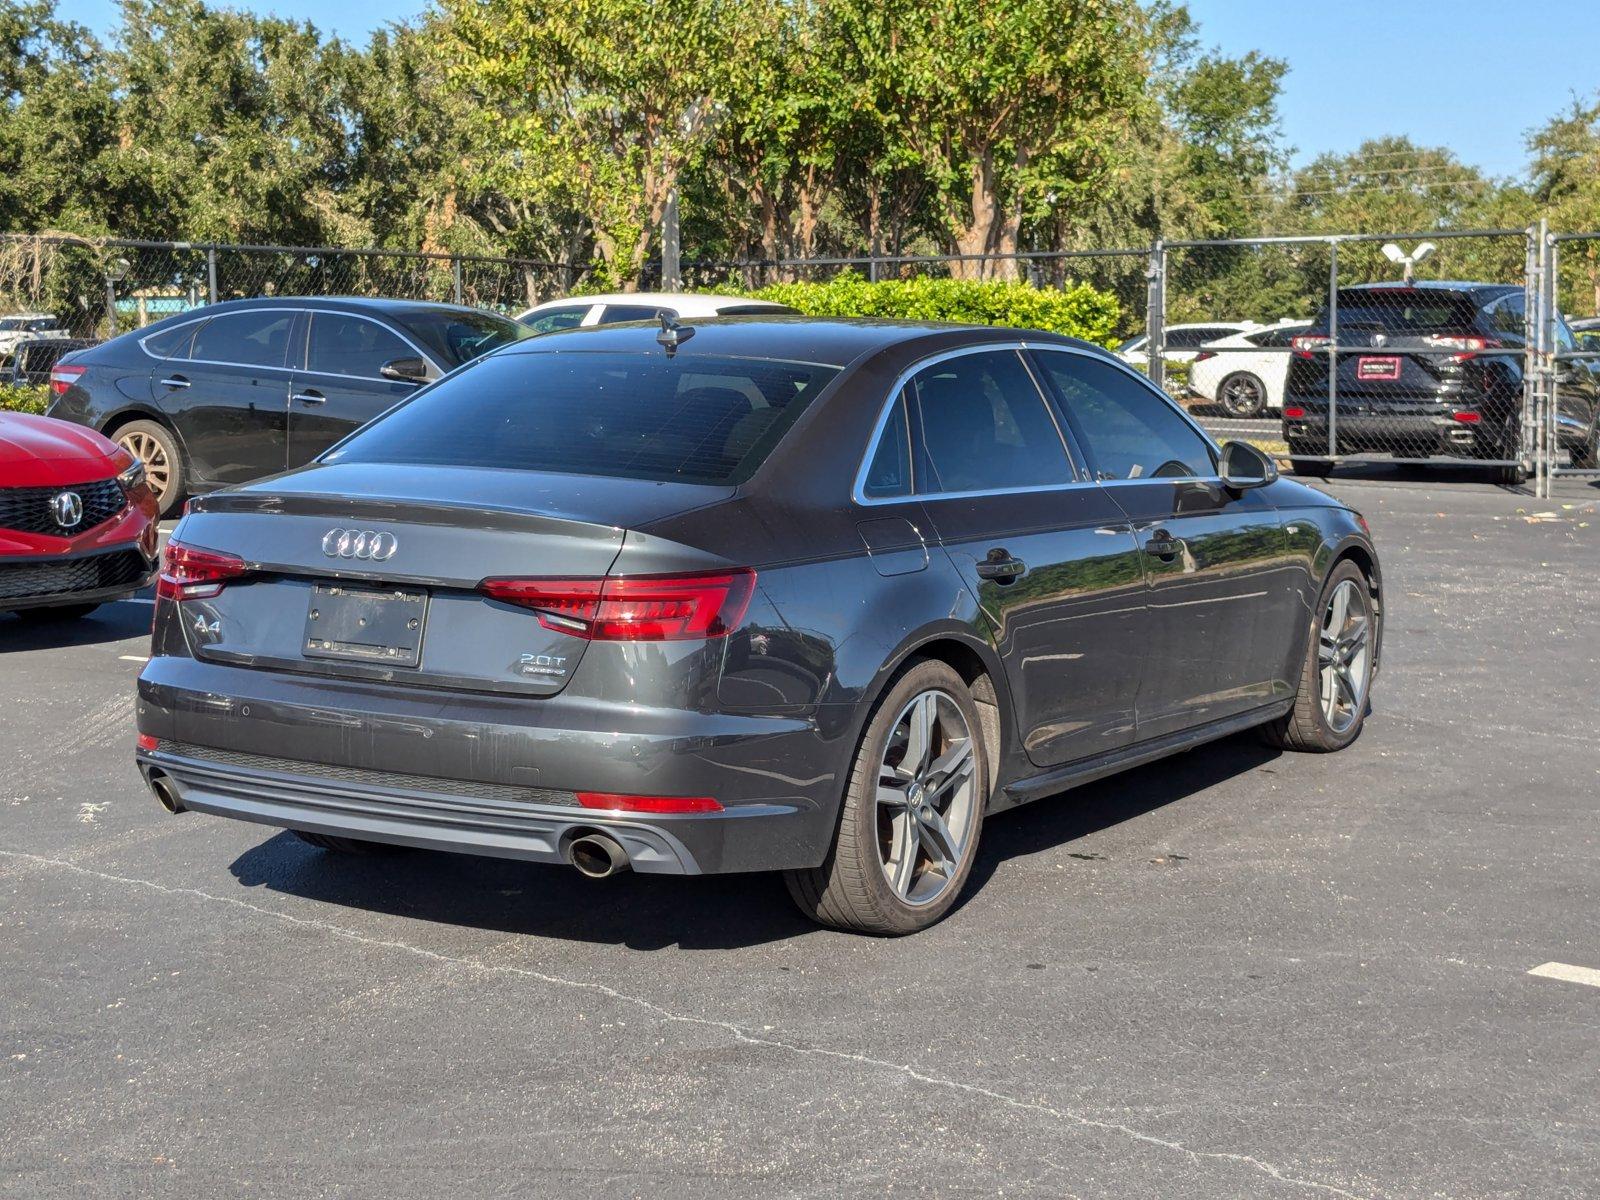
(175, 381)
(1001, 567)
(1162, 544)
(309, 396)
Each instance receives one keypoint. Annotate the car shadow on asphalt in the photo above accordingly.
(114, 622)
(715, 912)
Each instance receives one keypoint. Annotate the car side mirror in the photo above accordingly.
(1243, 466)
(405, 370)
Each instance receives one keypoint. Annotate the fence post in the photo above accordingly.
(111, 307)
(1155, 342)
(1549, 369)
(211, 274)
(671, 275)
(1333, 347)
(455, 277)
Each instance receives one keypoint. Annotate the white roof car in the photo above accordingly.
(579, 311)
(1182, 340)
(16, 326)
(1245, 373)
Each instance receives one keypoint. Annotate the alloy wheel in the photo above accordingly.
(927, 798)
(1243, 396)
(157, 466)
(1344, 655)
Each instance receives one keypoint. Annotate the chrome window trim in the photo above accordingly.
(858, 490)
(308, 313)
(1144, 381)
(859, 497)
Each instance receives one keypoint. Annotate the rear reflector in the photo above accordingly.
(1466, 418)
(1293, 414)
(61, 378)
(648, 804)
(190, 573)
(640, 608)
(147, 742)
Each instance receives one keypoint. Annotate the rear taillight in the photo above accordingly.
(1205, 354)
(640, 608)
(1467, 345)
(612, 802)
(1293, 414)
(190, 573)
(1306, 345)
(61, 378)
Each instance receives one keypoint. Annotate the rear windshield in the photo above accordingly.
(1403, 310)
(636, 416)
(458, 337)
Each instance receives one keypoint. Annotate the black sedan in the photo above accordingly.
(234, 391)
(770, 594)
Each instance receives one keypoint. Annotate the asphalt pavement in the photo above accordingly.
(1233, 973)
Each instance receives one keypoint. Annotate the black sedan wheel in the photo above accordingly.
(1243, 395)
(1331, 705)
(157, 449)
(912, 813)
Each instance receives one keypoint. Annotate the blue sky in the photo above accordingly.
(1471, 75)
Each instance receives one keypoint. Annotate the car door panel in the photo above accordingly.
(1048, 556)
(337, 385)
(1221, 588)
(229, 395)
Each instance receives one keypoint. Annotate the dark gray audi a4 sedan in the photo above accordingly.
(787, 595)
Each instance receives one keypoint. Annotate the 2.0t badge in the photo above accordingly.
(367, 544)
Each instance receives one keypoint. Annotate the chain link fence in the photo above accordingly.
(1472, 346)
(1568, 335)
(101, 287)
(1410, 348)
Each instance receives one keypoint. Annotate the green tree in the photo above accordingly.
(1566, 186)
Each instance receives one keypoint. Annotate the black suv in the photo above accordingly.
(1428, 370)
(234, 391)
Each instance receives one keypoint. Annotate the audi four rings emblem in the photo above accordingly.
(359, 543)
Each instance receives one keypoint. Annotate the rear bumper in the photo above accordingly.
(1415, 436)
(486, 774)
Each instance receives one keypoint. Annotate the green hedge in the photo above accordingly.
(28, 399)
(1078, 310)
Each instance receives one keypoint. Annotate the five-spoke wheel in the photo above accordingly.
(912, 814)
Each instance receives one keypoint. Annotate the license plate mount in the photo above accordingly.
(363, 623)
(1378, 367)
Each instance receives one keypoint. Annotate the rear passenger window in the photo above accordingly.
(252, 339)
(171, 343)
(985, 426)
(890, 472)
(1130, 431)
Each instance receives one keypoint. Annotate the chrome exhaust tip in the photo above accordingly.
(166, 793)
(597, 855)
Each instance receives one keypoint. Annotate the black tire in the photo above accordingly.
(154, 444)
(1251, 400)
(1513, 475)
(1305, 727)
(56, 612)
(851, 889)
(344, 845)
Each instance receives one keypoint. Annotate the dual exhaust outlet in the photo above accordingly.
(595, 855)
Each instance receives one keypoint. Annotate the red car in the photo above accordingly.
(77, 520)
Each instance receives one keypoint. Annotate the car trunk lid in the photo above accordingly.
(374, 572)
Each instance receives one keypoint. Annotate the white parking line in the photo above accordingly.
(1568, 973)
(133, 657)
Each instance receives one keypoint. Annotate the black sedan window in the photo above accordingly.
(455, 336)
(638, 416)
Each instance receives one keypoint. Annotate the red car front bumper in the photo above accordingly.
(114, 559)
